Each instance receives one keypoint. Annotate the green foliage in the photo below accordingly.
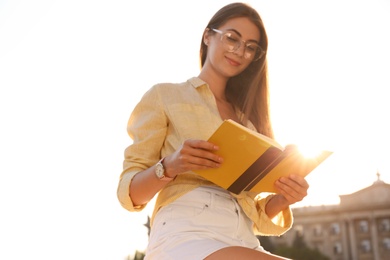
(300, 253)
(147, 225)
(298, 241)
(266, 243)
(139, 255)
(298, 250)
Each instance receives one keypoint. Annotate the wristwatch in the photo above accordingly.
(159, 170)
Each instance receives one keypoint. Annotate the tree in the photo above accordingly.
(298, 250)
(139, 255)
(147, 225)
(266, 243)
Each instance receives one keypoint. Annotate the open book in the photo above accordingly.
(253, 162)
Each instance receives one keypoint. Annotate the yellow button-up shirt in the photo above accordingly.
(167, 115)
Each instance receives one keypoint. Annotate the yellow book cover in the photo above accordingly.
(253, 162)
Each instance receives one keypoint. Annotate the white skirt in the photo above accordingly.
(199, 223)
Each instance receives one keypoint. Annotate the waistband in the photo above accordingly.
(213, 197)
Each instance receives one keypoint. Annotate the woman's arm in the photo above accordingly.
(192, 155)
(145, 185)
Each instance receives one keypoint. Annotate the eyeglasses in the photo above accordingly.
(232, 42)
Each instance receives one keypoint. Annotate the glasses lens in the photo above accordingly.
(254, 51)
(250, 50)
(231, 41)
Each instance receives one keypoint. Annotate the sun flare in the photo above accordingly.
(309, 151)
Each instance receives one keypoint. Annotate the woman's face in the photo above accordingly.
(231, 46)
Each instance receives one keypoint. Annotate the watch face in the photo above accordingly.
(159, 170)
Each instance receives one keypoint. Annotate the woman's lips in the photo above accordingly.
(233, 62)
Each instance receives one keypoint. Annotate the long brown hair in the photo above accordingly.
(248, 90)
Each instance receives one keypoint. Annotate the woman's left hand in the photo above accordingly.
(293, 188)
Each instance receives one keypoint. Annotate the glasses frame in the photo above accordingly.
(261, 51)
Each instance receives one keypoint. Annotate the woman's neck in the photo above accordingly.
(216, 84)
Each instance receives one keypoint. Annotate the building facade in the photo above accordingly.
(356, 229)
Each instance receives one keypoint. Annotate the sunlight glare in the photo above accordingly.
(309, 151)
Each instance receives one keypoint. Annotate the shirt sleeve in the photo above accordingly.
(147, 128)
(254, 208)
(276, 226)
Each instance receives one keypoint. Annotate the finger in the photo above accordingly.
(290, 190)
(300, 180)
(201, 144)
(200, 159)
(290, 197)
(295, 182)
(201, 150)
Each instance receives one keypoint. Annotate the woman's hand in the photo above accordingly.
(293, 188)
(290, 190)
(192, 155)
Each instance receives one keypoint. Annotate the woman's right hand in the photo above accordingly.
(192, 155)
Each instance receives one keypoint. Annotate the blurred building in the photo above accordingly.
(357, 228)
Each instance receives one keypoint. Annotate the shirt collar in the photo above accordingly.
(196, 82)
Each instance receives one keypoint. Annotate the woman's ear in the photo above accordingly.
(206, 36)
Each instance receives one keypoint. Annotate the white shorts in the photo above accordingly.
(199, 223)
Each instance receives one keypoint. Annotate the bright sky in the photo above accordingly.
(71, 72)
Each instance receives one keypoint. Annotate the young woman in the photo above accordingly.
(193, 218)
